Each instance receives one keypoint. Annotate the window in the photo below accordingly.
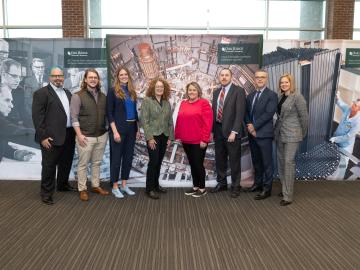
(36, 18)
(279, 16)
(34, 33)
(35, 12)
(304, 19)
(356, 34)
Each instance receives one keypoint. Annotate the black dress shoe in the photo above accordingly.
(66, 188)
(284, 203)
(235, 192)
(153, 195)
(219, 187)
(254, 188)
(263, 195)
(160, 189)
(47, 200)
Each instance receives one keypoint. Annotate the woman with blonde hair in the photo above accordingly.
(156, 119)
(123, 131)
(290, 130)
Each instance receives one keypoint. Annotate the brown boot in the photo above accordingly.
(84, 196)
(100, 191)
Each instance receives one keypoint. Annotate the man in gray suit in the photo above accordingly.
(228, 105)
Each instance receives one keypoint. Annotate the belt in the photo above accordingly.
(131, 120)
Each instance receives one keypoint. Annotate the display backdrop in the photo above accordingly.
(181, 59)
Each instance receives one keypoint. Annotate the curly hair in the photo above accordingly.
(117, 86)
(151, 90)
(83, 86)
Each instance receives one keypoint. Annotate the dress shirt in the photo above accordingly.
(64, 101)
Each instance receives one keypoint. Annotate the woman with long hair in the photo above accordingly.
(123, 131)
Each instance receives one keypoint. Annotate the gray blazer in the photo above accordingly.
(292, 123)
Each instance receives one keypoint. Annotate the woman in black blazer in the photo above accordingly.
(123, 131)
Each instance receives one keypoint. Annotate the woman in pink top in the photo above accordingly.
(193, 128)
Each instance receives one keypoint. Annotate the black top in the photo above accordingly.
(281, 102)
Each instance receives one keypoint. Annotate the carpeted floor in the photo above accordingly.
(320, 230)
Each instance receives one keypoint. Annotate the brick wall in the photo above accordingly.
(340, 19)
(74, 18)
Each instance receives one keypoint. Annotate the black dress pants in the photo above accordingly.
(196, 156)
(156, 157)
(58, 158)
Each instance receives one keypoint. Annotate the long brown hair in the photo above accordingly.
(118, 90)
(83, 86)
(151, 90)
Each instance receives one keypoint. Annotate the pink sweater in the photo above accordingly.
(194, 122)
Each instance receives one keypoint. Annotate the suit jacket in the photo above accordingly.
(263, 113)
(292, 123)
(49, 116)
(156, 119)
(233, 111)
(30, 86)
(116, 112)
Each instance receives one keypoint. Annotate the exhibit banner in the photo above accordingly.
(181, 60)
(330, 150)
(352, 59)
(25, 67)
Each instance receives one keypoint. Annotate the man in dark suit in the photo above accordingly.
(9, 131)
(229, 110)
(260, 108)
(36, 80)
(51, 117)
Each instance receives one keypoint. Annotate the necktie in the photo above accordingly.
(221, 105)
(254, 104)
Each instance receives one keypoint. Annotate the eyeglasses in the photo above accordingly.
(57, 76)
(92, 78)
(39, 67)
(260, 77)
(14, 76)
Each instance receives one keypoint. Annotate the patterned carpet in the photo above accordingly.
(320, 230)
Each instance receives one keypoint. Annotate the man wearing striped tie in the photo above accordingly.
(229, 104)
